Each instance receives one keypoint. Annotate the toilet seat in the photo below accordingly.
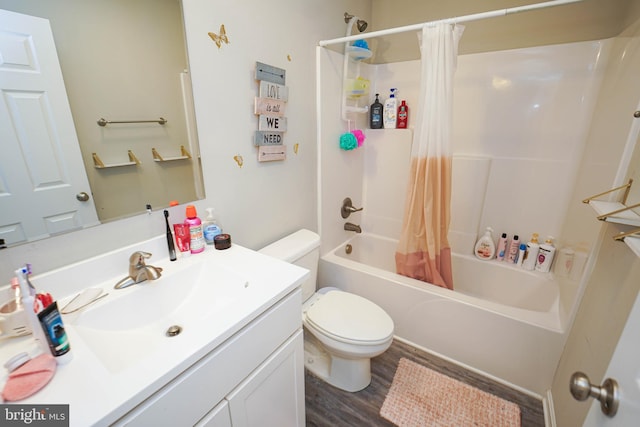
(350, 318)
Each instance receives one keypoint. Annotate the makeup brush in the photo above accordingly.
(172, 249)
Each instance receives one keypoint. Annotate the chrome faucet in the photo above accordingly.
(352, 227)
(139, 271)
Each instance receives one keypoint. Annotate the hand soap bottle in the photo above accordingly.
(485, 249)
(390, 110)
(210, 227)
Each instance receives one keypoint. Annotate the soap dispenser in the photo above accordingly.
(210, 227)
(485, 248)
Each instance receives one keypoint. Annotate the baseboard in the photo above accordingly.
(549, 411)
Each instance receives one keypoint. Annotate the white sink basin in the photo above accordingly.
(131, 324)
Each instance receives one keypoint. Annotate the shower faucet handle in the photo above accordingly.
(347, 208)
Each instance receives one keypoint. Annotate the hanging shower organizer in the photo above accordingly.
(619, 213)
(355, 87)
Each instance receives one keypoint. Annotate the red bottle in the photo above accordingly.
(403, 116)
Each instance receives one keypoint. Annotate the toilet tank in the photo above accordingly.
(301, 248)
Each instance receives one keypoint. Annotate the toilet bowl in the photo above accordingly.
(343, 331)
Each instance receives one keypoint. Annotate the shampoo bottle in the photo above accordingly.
(403, 115)
(375, 114)
(521, 254)
(210, 227)
(531, 255)
(502, 247)
(545, 256)
(195, 230)
(514, 247)
(485, 249)
(389, 116)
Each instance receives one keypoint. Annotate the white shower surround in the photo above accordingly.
(521, 118)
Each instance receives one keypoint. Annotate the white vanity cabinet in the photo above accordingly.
(255, 378)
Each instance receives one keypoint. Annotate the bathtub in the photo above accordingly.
(499, 320)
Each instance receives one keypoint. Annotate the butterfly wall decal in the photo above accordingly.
(220, 38)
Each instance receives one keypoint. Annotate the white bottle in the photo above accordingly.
(210, 228)
(564, 262)
(390, 110)
(545, 256)
(485, 249)
(530, 257)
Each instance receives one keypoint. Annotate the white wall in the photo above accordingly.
(257, 203)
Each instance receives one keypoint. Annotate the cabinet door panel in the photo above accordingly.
(273, 395)
(218, 417)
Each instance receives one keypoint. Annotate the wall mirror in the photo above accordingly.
(121, 61)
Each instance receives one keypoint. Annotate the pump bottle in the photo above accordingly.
(390, 111)
(531, 255)
(545, 256)
(485, 249)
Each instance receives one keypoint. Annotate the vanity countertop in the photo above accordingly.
(98, 393)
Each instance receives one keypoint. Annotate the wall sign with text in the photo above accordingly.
(270, 106)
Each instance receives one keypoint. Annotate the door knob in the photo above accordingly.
(82, 196)
(608, 395)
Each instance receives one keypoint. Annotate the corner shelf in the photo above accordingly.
(184, 155)
(99, 164)
(619, 213)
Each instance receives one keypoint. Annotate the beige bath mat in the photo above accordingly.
(421, 397)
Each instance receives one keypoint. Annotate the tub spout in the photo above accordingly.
(352, 227)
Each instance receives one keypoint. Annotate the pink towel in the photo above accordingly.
(29, 378)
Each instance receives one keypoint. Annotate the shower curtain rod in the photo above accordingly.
(465, 18)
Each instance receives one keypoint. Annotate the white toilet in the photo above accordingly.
(343, 331)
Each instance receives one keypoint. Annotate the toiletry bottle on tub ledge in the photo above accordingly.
(531, 255)
(545, 256)
(485, 249)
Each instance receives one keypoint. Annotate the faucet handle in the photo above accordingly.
(347, 208)
(137, 258)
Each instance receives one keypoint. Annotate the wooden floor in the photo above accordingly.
(329, 406)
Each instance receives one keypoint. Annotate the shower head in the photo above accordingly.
(360, 23)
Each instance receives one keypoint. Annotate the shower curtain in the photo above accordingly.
(423, 250)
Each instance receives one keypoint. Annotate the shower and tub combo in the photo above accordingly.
(513, 169)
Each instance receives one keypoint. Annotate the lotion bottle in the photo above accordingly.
(28, 300)
(545, 256)
(195, 230)
(502, 247)
(531, 255)
(485, 249)
(514, 246)
(390, 111)
(375, 114)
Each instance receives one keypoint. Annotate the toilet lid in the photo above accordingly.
(350, 317)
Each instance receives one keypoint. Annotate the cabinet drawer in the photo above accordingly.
(187, 398)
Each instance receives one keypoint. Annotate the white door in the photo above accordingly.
(41, 168)
(624, 367)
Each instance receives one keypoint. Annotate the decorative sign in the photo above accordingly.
(270, 73)
(269, 106)
(267, 138)
(272, 152)
(274, 91)
(272, 123)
